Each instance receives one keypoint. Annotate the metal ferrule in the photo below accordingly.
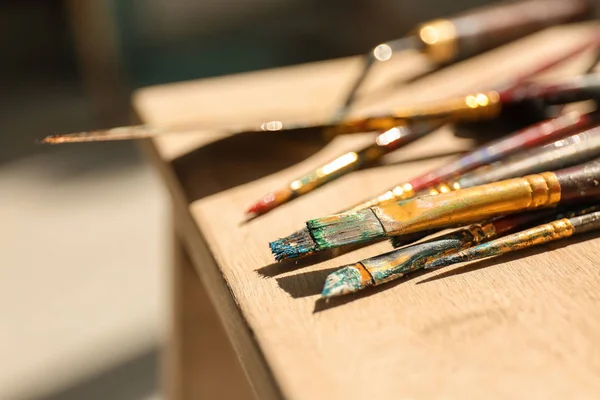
(482, 232)
(440, 40)
(473, 107)
(469, 205)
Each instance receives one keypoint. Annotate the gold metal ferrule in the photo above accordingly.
(473, 107)
(469, 205)
(482, 232)
(439, 37)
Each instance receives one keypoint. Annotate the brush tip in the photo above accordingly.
(270, 202)
(298, 244)
(346, 280)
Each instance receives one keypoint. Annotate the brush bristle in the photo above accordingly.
(298, 244)
(343, 229)
(345, 280)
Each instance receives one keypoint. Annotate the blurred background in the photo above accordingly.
(85, 232)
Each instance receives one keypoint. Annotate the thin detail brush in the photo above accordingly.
(455, 208)
(385, 143)
(555, 230)
(473, 107)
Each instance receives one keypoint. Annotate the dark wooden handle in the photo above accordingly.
(492, 26)
(580, 182)
(571, 90)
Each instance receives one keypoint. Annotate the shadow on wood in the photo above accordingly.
(242, 158)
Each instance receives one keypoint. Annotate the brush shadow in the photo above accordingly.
(490, 262)
(326, 304)
(305, 284)
(242, 158)
(281, 267)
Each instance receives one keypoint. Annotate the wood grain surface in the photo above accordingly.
(520, 326)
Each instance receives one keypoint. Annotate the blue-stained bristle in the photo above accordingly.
(298, 244)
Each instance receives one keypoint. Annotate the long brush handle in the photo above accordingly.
(582, 181)
(481, 202)
(484, 28)
(579, 221)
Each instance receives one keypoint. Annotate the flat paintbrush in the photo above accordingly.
(301, 243)
(478, 203)
(555, 230)
(395, 264)
(446, 40)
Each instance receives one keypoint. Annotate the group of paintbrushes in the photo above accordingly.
(539, 184)
(531, 187)
(546, 175)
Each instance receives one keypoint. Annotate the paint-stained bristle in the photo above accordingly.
(343, 229)
(298, 244)
(348, 279)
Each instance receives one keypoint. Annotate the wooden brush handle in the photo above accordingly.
(582, 181)
(484, 28)
(571, 90)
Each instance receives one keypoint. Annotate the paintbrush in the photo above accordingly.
(478, 203)
(473, 107)
(573, 150)
(301, 243)
(395, 264)
(384, 143)
(447, 40)
(555, 230)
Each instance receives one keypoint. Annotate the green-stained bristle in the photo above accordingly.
(343, 281)
(298, 244)
(343, 229)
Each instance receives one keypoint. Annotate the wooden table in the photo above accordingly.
(521, 326)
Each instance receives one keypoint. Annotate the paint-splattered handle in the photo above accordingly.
(580, 182)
